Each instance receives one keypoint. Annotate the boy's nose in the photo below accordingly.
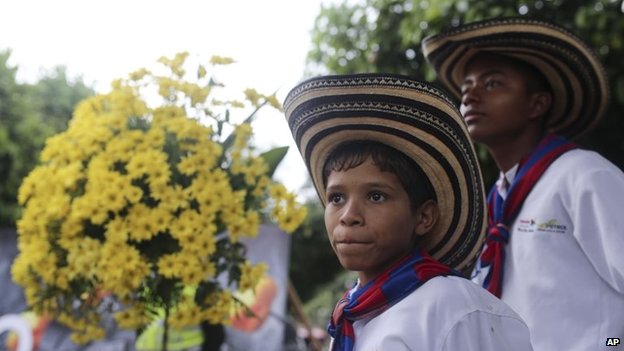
(351, 215)
(469, 96)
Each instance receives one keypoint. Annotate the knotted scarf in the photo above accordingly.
(390, 287)
(502, 213)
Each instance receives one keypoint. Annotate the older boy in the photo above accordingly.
(404, 207)
(555, 240)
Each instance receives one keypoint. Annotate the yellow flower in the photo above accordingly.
(192, 273)
(221, 60)
(117, 231)
(201, 71)
(33, 183)
(173, 198)
(251, 275)
(256, 168)
(138, 74)
(131, 193)
(278, 191)
(200, 161)
(220, 306)
(290, 222)
(186, 224)
(261, 186)
(253, 96)
(132, 317)
(85, 254)
(58, 207)
(237, 104)
(88, 333)
(187, 314)
(139, 164)
(168, 265)
(166, 116)
(141, 229)
(132, 196)
(161, 219)
(121, 268)
(70, 175)
(155, 138)
(111, 199)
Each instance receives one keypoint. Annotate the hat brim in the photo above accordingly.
(577, 78)
(411, 117)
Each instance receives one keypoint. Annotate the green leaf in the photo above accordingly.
(273, 158)
(204, 289)
(619, 90)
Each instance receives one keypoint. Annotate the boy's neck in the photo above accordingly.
(507, 154)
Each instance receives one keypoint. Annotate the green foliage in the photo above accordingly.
(55, 96)
(20, 137)
(313, 261)
(273, 158)
(320, 307)
(28, 114)
(385, 36)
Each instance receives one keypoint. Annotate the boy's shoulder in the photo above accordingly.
(448, 300)
(585, 157)
(461, 296)
(428, 315)
(581, 163)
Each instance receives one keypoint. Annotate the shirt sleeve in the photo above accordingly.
(598, 219)
(482, 331)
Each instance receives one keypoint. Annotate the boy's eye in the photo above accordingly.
(377, 196)
(493, 83)
(465, 88)
(335, 198)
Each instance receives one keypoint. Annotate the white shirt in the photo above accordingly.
(444, 314)
(564, 266)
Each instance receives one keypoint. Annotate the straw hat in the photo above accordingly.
(576, 76)
(412, 117)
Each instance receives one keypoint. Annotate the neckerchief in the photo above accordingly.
(390, 287)
(502, 213)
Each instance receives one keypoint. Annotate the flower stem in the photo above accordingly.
(165, 339)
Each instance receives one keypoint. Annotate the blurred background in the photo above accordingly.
(55, 53)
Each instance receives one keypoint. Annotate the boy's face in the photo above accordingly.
(369, 219)
(496, 104)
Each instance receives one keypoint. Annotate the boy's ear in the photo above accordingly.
(540, 104)
(426, 217)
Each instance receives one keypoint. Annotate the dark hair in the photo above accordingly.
(351, 154)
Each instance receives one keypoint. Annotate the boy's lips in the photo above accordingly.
(472, 115)
(351, 240)
(352, 247)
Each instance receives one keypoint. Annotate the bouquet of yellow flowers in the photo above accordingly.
(143, 196)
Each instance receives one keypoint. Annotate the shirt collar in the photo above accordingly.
(505, 180)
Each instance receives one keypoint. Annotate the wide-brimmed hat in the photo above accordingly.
(411, 117)
(577, 78)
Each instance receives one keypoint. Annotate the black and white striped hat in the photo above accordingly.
(413, 118)
(577, 78)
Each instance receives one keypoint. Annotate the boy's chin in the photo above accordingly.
(354, 265)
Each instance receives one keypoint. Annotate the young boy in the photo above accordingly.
(555, 240)
(392, 162)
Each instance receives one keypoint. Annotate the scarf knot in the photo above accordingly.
(499, 232)
(498, 236)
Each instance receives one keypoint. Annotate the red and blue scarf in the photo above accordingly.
(390, 287)
(502, 213)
